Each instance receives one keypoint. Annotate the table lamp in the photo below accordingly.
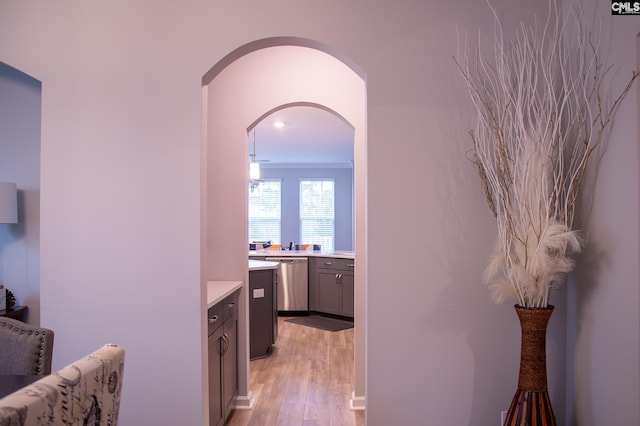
(8, 202)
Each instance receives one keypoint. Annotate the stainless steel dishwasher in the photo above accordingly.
(293, 287)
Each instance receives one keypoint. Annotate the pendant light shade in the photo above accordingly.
(254, 170)
(254, 166)
(8, 202)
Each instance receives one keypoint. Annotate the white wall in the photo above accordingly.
(120, 241)
(20, 104)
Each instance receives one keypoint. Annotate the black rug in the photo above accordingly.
(323, 323)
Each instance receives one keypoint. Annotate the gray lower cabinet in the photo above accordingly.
(331, 282)
(223, 358)
(263, 312)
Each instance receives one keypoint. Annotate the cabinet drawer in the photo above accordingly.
(335, 263)
(230, 305)
(214, 317)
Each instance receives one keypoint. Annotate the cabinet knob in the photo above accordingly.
(213, 319)
(327, 263)
(351, 265)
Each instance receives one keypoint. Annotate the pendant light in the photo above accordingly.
(254, 166)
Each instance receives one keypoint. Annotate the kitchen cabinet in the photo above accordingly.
(331, 286)
(263, 312)
(223, 357)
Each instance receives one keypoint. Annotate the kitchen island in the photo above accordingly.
(263, 308)
(260, 265)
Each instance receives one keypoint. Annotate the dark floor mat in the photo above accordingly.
(324, 323)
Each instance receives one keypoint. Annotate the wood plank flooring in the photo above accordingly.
(306, 381)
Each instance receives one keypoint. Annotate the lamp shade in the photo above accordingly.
(254, 171)
(8, 203)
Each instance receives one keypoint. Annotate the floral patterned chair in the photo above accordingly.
(25, 349)
(86, 392)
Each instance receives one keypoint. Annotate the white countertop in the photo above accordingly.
(302, 253)
(218, 290)
(257, 265)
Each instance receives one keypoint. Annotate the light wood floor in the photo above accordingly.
(306, 381)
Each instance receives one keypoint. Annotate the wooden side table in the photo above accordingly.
(16, 312)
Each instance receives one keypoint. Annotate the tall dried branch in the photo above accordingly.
(541, 116)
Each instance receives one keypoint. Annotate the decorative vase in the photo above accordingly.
(531, 405)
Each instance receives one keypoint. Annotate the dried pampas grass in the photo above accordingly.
(541, 116)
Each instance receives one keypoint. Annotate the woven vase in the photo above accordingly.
(531, 405)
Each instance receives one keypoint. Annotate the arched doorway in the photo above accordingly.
(249, 82)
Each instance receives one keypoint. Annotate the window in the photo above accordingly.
(264, 212)
(317, 213)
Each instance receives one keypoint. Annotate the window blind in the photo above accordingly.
(264, 212)
(317, 210)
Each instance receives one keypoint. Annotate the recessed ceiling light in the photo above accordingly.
(279, 124)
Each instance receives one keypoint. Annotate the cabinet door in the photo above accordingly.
(348, 299)
(230, 362)
(328, 291)
(215, 378)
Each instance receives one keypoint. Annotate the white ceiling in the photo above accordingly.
(310, 136)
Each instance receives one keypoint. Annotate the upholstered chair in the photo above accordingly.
(85, 392)
(24, 349)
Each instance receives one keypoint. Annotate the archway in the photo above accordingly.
(245, 85)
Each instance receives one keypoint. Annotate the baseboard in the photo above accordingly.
(357, 402)
(244, 402)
